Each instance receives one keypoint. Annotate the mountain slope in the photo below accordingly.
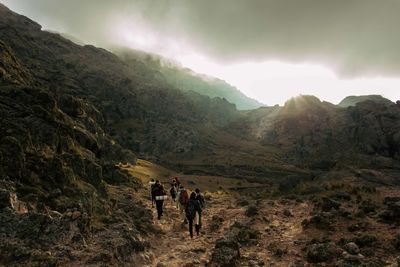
(320, 135)
(187, 80)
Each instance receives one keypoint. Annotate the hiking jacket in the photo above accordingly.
(192, 207)
(159, 190)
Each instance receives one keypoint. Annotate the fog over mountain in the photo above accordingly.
(356, 39)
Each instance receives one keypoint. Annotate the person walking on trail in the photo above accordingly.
(200, 199)
(172, 192)
(160, 196)
(183, 200)
(193, 210)
(152, 184)
(177, 181)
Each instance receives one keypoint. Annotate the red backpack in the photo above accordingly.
(184, 198)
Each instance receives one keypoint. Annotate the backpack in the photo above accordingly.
(184, 197)
(200, 198)
(172, 191)
(159, 191)
(191, 210)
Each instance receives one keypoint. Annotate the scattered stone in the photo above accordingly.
(352, 248)
(251, 211)
(352, 259)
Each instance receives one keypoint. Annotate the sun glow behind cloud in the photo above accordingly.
(270, 81)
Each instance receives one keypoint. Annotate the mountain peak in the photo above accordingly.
(354, 100)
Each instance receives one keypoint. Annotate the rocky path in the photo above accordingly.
(175, 247)
(278, 224)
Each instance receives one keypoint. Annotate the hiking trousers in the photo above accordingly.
(197, 227)
(159, 206)
(190, 227)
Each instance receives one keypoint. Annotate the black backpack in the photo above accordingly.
(191, 209)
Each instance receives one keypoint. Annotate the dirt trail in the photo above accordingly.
(278, 223)
(175, 247)
(277, 229)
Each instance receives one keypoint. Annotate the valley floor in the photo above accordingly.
(277, 222)
(272, 231)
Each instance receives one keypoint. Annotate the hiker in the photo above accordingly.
(193, 211)
(160, 196)
(200, 199)
(183, 199)
(172, 191)
(178, 183)
(152, 183)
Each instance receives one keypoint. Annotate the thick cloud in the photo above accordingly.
(354, 37)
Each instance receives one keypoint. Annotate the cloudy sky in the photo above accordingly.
(269, 49)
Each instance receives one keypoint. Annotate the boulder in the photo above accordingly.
(225, 254)
(352, 248)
